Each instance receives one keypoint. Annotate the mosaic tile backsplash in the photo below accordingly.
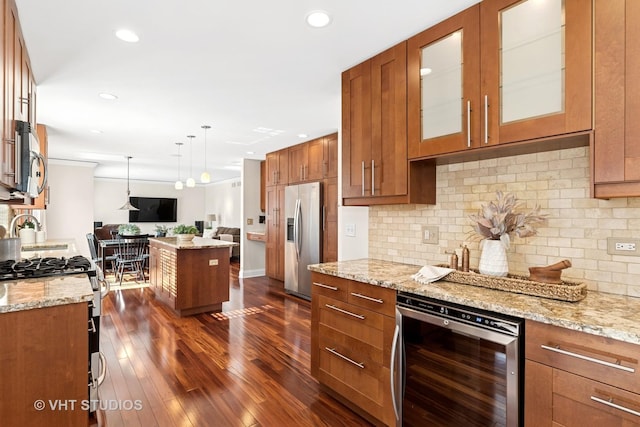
(576, 229)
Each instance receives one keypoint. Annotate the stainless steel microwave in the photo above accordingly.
(30, 164)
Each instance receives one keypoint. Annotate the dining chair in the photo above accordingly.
(92, 241)
(131, 256)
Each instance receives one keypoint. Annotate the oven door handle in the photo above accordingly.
(103, 368)
(394, 350)
(107, 287)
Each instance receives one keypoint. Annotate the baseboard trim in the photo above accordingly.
(251, 273)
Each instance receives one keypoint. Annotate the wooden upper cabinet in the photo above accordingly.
(330, 156)
(277, 167)
(616, 152)
(534, 76)
(536, 68)
(315, 160)
(443, 95)
(374, 127)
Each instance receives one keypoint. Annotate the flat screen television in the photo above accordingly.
(153, 209)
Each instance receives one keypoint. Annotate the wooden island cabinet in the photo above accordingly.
(190, 277)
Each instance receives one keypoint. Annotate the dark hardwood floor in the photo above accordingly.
(247, 366)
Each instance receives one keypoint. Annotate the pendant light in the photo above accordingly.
(128, 206)
(190, 181)
(178, 185)
(205, 177)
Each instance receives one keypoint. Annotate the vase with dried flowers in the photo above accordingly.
(495, 223)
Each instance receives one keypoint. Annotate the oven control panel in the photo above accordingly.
(469, 315)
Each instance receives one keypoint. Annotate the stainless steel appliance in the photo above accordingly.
(455, 365)
(52, 266)
(302, 208)
(30, 164)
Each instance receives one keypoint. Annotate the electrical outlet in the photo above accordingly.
(249, 221)
(350, 230)
(429, 235)
(213, 262)
(623, 246)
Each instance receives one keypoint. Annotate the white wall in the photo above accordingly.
(70, 212)
(224, 199)
(110, 194)
(252, 255)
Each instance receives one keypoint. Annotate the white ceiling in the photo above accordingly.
(235, 65)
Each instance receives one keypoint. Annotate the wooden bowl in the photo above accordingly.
(544, 275)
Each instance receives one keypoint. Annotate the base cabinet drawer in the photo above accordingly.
(351, 339)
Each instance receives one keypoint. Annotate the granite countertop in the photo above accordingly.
(196, 243)
(49, 248)
(608, 315)
(27, 294)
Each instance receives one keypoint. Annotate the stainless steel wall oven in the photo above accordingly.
(456, 365)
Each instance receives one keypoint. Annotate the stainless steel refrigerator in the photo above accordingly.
(303, 239)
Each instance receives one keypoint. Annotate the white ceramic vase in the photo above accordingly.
(27, 236)
(493, 258)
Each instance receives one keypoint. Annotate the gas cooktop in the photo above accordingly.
(42, 267)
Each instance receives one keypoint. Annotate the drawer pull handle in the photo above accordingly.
(333, 307)
(614, 405)
(342, 356)
(587, 358)
(379, 301)
(322, 285)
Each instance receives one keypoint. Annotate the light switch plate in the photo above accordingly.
(429, 235)
(249, 221)
(623, 246)
(213, 262)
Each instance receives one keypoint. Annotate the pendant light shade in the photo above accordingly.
(178, 185)
(190, 181)
(205, 178)
(128, 206)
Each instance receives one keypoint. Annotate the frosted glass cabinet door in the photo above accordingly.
(532, 57)
(536, 66)
(441, 87)
(443, 66)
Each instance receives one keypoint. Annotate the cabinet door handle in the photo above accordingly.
(324, 217)
(469, 124)
(557, 349)
(378, 300)
(373, 177)
(92, 326)
(610, 403)
(363, 177)
(322, 285)
(486, 119)
(301, 172)
(342, 356)
(333, 307)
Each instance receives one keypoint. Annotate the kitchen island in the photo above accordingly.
(190, 277)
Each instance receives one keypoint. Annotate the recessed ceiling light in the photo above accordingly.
(302, 135)
(318, 18)
(96, 131)
(127, 36)
(250, 152)
(108, 96)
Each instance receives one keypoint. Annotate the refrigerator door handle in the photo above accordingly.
(299, 228)
(295, 229)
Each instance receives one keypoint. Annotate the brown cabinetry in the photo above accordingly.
(374, 135)
(314, 160)
(574, 378)
(277, 167)
(352, 327)
(19, 90)
(44, 358)
(525, 73)
(616, 147)
(274, 246)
